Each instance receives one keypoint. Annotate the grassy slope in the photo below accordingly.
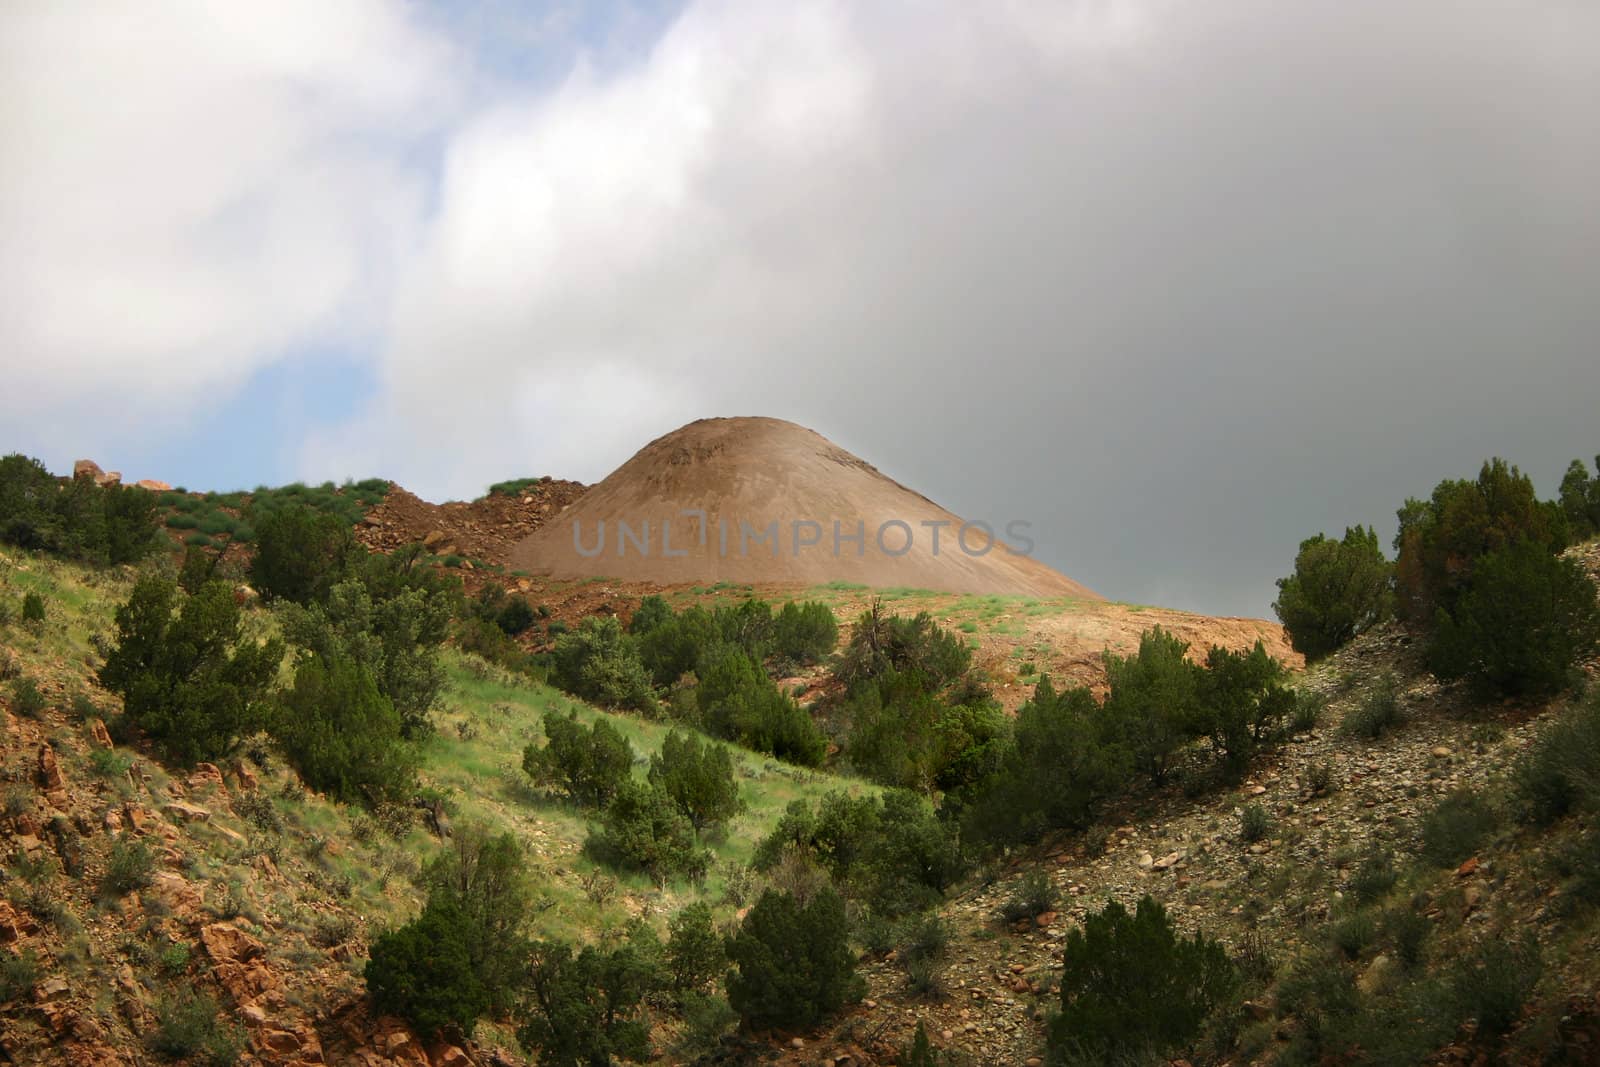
(329, 864)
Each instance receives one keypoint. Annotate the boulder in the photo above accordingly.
(182, 811)
(226, 943)
(153, 485)
(87, 468)
(50, 778)
(207, 776)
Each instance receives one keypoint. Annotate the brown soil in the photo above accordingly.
(758, 473)
(484, 529)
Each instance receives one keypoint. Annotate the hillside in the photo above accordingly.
(760, 474)
(262, 893)
(1357, 837)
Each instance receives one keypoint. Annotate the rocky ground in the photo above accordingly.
(484, 529)
(998, 982)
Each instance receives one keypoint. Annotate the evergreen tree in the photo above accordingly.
(792, 963)
(1580, 500)
(698, 776)
(487, 877)
(424, 972)
(1441, 539)
(194, 680)
(642, 828)
(1153, 703)
(696, 955)
(1130, 986)
(590, 765)
(1523, 622)
(1338, 589)
(344, 736)
(300, 553)
(599, 663)
(586, 1007)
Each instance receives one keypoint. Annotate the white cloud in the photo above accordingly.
(190, 189)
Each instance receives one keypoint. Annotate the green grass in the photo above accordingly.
(231, 512)
(475, 760)
(516, 486)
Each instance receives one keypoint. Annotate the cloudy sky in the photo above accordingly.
(1179, 283)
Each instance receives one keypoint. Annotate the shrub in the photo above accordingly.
(804, 632)
(1058, 765)
(737, 701)
(486, 877)
(516, 616)
(1153, 700)
(698, 777)
(653, 612)
(892, 853)
(1492, 984)
(792, 964)
(599, 663)
(194, 681)
(1033, 895)
(424, 973)
(257, 809)
(19, 974)
(129, 866)
(1254, 823)
(925, 939)
(109, 763)
(391, 615)
(26, 699)
(917, 645)
(189, 1027)
(1519, 626)
(344, 736)
(1338, 589)
(585, 1008)
(641, 828)
(706, 1020)
(1580, 500)
(1408, 931)
(1378, 713)
(1560, 772)
(1319, 777)
(1354, 934)
(1452, 831)
(590, 765)
(696, 955)
(1441, 540)
(1130, 985)
(174, 959)
(921, 1053)
(1373, 877)
(1307, 713)
(32, 608)
(1243, 702)
(300, 553)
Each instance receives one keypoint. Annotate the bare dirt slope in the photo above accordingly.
(758, 474)
(484, 529)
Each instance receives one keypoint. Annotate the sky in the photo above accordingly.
(1180, 284)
